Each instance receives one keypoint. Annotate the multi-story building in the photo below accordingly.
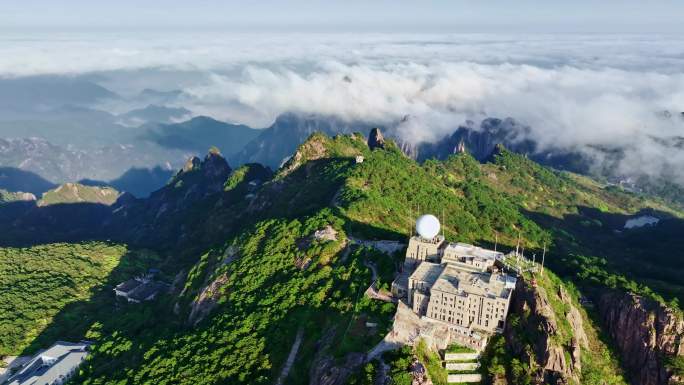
(455, 283)
(421, 250)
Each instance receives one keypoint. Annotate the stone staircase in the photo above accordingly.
(462, 368)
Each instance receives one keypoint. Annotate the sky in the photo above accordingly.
(551, 16)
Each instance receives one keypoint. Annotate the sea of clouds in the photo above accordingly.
(576, 92)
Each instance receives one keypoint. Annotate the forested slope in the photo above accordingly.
(256, 276)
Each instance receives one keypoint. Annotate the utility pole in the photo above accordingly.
(517, 249)
(411, 221)
(543, 256)
(496, 240)
(443, 223)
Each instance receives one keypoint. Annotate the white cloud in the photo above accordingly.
(566, 107)
(576, 92)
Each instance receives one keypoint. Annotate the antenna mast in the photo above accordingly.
(410, 221)
(443, 223)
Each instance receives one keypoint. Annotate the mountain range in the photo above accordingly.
(248, 274)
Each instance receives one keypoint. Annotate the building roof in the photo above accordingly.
(427, 272)
(474, 251)
(438, 239)
(146, 290)
(130, 285)
(456, 281)
(52, 364)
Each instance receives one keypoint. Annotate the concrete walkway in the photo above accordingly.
(291, 357)
(387, 247)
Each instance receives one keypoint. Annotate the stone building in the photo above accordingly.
(457, 284)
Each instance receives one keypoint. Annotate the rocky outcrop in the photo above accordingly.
(78, 193)
(324, 371)
(205, 302)
(534, 338)
(7, 196)
(646, 333)
(193, 163)
(375, 139)
(314, 148)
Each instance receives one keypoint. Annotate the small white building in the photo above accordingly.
(53, 366)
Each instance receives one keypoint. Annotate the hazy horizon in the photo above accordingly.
(627, 16)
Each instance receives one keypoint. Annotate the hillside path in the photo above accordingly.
(291, 357)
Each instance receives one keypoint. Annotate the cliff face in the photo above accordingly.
(646, 334)
(375, 139)
(536, 337)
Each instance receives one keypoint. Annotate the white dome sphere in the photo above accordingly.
(427, 226)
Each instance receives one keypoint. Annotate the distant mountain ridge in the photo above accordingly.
(278, 142)
(200, 133)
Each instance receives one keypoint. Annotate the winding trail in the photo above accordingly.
(372, 291)
(291, 357)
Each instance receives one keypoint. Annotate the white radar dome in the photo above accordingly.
(427, 226)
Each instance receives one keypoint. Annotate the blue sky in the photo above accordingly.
(626, 16)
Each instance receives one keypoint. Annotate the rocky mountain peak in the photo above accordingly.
(192, 164)
(215, 165)
(375, 139)
(461, 148)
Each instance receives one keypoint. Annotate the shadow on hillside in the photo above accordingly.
(139, 181)
(14, 179)
(73, 321)
(26, 224)
(651, 255)
(138, 327)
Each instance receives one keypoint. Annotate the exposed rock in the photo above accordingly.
(302, 263)
(313, 149)
(461, 148)
(326, 234)
(325, 372)
(574, 319)
(191, 164)
(375, 139)
(547, 355)
(499, 380)
(207, 299)
(646, 333)
(419, 374)
(576, 323)
(79, 193)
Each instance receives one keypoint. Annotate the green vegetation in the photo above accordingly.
(600, 364)
(250, 334)
(37, 283)
(8, 196)
(78, 193)
(455, 348)
(399, 362)
(273, 278)
(676, 364)
(399, 365)
(432, 362)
